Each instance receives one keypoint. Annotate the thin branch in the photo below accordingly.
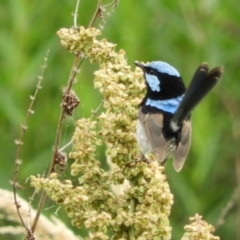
(56, 144)
(30, 209)
(96, 14)
(132, 210)
(94, 112)
(65, 146)
(227, 208)
(111, 3)
(76, 65)
(237, 157)
(233, 109)
(19, 143)
(76, 14)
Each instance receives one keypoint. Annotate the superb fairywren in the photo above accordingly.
(164, 126)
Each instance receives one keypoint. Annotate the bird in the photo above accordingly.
(164, 115)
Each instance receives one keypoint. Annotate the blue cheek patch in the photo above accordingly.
(169, 105)
(153, 82)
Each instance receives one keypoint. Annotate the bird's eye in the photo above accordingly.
(151, 72)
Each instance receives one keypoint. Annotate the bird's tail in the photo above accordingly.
(202, 82)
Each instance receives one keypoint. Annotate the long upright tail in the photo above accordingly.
(202, 82)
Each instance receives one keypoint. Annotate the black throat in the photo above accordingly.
(170, 87)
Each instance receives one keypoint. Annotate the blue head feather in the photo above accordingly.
(163, 67)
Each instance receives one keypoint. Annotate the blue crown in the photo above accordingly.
(163, 67)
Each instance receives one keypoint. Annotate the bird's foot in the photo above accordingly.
(142, 159)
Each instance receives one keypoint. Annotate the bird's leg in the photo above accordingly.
(141, 159)
(162, 163)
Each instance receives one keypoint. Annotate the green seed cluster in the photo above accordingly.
(142, 207)
(198, 229)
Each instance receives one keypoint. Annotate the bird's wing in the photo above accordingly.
(183, 147)
(153, 124)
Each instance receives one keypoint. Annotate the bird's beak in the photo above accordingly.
(138, 64)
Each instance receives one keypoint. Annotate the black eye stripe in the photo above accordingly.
(151, 71)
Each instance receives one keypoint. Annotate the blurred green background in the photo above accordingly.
(183, 33)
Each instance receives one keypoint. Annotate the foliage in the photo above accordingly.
(181, 33)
